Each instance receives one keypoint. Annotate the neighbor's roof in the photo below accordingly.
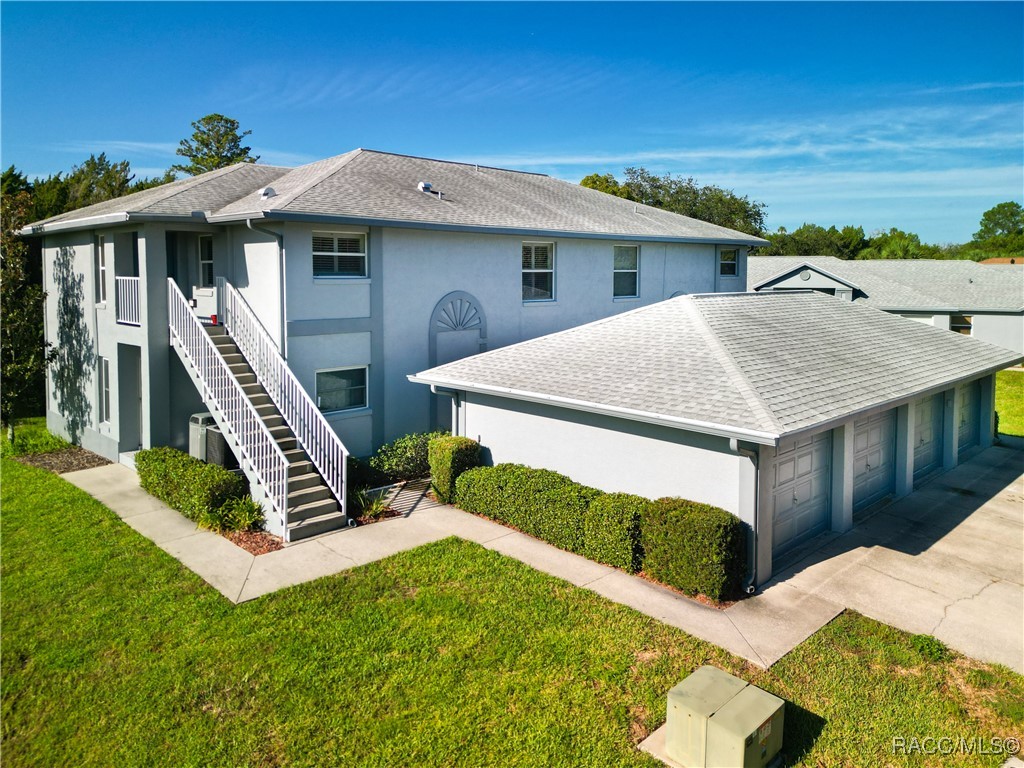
(757, 366)
(378, 187)
(179, 199)
(909, 284)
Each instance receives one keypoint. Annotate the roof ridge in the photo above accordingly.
(757, 404)
(456, 162)
(331, 168)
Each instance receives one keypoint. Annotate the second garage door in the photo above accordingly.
(801, 489)
(927, 435)
(874, 458)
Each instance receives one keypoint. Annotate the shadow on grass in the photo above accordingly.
(801, 731)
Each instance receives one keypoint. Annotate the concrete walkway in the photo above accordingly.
(946, 561)
(761, 629)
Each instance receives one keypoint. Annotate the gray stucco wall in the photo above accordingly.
(609, 453)
(1006, 330)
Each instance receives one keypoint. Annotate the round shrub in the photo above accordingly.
(405, 458)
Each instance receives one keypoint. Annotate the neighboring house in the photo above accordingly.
(793, 411)
(986, 302)
(292, 304)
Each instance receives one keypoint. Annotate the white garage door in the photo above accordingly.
(800, 490)
(927, 435)
(968, 395)
(874, 458)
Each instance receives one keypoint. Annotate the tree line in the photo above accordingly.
(1000, 233)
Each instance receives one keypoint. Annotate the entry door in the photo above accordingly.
(874, 458)
(927, 435)
(967, 432)
(801, 490)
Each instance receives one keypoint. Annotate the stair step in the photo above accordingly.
(223, 342)
(299, 467)
(233, 359)
(304, 496)
(301, 482)
(215, 330)
(272, 419)
(314, 526)
(239, 367)
(245, 378)
(312, 509)
(287, 443)
(297, 456)
(260, 400)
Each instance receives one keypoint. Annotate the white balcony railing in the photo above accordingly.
(257, 448)
(316, 437)
(129, 311)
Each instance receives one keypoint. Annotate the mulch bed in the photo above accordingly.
(254, 542)
(65, 460)
(386, 515)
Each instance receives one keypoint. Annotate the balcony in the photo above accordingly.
(128, 309)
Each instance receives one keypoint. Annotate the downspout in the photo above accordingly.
(454, 395)
(734, 446)
(283, 273)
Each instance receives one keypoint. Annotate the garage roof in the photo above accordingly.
(758, 366)
(907, 284)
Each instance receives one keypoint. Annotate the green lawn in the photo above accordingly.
(1010, 402)
(114, 654)
(30, 436)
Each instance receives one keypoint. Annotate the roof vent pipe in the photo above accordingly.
(267, 192)
(424, 186)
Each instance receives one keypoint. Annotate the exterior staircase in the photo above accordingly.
(312, 508)
(294, 460)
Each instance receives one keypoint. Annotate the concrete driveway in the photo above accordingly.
(947, 561)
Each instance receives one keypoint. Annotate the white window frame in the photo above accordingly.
(735, 262)
(203, 283)
(525, 271)
(366, 387)
(337, 234)
(636, 271)
(103, 382)
(100, 270)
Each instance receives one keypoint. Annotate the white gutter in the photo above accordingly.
(675, 422)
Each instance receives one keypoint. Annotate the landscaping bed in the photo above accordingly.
(64, 460)
(450, 654)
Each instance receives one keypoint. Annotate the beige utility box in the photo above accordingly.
(716, 720)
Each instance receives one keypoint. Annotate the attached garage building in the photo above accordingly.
(792, 410)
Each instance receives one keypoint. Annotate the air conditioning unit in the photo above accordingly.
(716, 719)
(198, 423)
(217, 449)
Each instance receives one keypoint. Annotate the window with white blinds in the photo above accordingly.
(339, 254)
(538, 271)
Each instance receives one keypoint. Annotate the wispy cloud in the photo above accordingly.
(968, 88)
(117, 147)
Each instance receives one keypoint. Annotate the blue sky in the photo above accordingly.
(873, 114)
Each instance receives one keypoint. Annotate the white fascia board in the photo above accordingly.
(674, 422)
(806, 265)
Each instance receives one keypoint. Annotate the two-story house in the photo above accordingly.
(293, 303)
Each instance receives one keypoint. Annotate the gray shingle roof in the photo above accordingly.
(205, 192)
(911, 284)
(768, 363)
(365, 184)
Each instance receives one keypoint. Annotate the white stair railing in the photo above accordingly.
(257, 447)
(316, 437)
(128, 307)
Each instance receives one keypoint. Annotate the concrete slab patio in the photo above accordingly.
(933, 584)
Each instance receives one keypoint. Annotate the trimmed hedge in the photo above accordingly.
(193, 487)
(406, 457)
(449, 457)
(696, 548)
(611, 530)
(540, 502)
